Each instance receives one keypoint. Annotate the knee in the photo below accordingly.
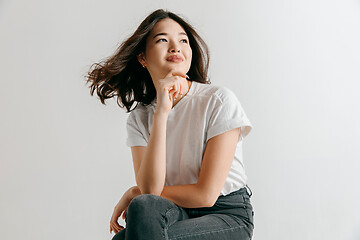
(145, 198)
(144, 202)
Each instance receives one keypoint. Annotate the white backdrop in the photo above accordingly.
(294, 65)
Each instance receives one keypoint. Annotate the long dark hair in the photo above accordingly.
(123, 76)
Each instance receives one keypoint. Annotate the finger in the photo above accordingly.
(119, 228)
(174, 90)
(173, 73)
(169, 83)
(115, 228)
(179, 88)
(172, 94)
(170, 73)
(170, 80)
(115, 225)
(172, 83)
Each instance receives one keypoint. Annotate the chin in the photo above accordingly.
(176, 68)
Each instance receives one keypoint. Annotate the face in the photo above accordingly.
(166, 39)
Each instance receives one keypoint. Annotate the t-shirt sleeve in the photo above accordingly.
(134, 136)
(227, 114)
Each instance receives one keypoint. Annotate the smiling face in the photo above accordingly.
(166, 39)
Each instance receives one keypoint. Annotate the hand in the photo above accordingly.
(121, 207)
(169, 88)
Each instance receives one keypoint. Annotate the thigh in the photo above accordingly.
(231, 217)
(149, 207)
(210, 227)
(148, 216)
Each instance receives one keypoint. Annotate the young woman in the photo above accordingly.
(185, 137)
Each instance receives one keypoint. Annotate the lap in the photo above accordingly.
(230, 218)
(210, 226)
(149, 205)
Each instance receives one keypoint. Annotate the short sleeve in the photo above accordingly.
(227, 114)
(134, 135)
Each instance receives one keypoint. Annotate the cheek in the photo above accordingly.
(153, 56)
(190, 52)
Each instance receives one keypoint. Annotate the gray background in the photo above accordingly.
(294, 66)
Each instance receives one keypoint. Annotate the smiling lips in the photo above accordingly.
(175, 58)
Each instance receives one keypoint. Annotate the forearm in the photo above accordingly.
(187, 195)
(152, 171)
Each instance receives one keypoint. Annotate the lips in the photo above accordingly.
(175, 58)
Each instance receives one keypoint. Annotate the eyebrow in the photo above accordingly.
(182, 33)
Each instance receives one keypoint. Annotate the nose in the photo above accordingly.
(174, 48)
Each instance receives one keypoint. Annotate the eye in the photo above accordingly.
(161, 39)
(184, 40)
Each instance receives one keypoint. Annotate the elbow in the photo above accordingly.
(151, 190)
(209, 198)
(210, 202)
(158, 193)
(148, 188)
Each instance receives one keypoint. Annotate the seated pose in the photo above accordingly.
(185, 136)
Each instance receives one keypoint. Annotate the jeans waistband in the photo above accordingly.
(242, 190)
(247, 187)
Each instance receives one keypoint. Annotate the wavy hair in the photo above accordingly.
(123, 76)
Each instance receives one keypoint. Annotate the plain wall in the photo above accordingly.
(294, 66)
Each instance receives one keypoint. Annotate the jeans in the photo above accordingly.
(153, 217)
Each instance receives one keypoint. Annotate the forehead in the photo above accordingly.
(167, 25)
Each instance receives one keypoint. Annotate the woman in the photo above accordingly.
(185, 137)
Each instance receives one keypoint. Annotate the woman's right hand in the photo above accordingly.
(169, 88)
(121, 207)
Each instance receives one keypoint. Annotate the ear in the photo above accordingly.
(141, 59)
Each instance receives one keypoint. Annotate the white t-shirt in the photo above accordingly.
(204, 112)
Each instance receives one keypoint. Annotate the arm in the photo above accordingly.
(150, 164)
(187, 195)
(216, 163)
(150, 169)
(215, 167)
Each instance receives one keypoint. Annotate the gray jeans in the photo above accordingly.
(153, 217)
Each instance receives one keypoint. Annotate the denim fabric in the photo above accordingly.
(153, 217)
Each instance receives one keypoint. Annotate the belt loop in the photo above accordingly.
(247, 187)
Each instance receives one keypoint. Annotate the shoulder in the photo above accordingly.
(216, 93)
(139, 112)
(225, 94)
